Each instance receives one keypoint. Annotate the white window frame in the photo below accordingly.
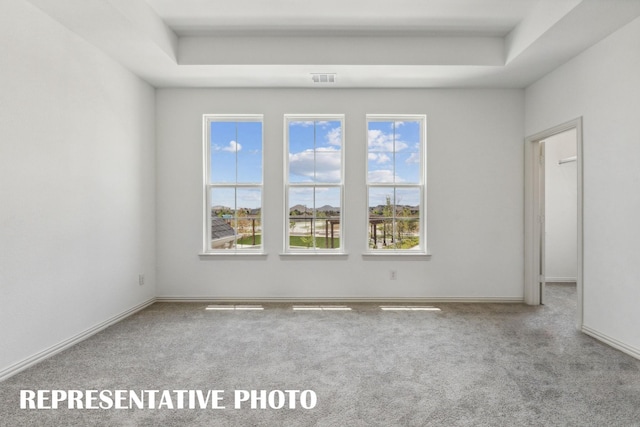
(288, 185)
(207, 185)
(422, 184)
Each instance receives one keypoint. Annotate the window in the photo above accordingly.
(233, 184)
(314, 183)
(396, 183)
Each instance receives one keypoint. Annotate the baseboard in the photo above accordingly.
(625, 348)
(45, 354)
(560, 279)
(500, 300)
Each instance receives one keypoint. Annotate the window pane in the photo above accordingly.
(315, 151)
(328, 166)
(394, 218)
(301, 136)
(249, 151)
(327, 229)
(223, 166)
(222, 202)
(407, 233)
(380, 167)
(221, 134)
(328, 201)
(381, 202)
(301, 166)
(408, 133)
(380, 232)
(329, 135)
(380, 137)
(408, 167)
(249, 230)
(407, 202)
(223, 151)
(300, 217)
(407, 151)
(253, 238)
(407, 224)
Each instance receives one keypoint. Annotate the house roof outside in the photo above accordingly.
(220, 229)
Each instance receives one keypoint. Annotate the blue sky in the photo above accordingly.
(315, 151)
(236, 152)
(314, 156)
(393, 152)
(236, 157)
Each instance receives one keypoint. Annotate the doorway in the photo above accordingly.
(553, 211)
(560, 263)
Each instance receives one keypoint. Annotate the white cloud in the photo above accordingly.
(383, 175)
(380, 141)
(327, 164)
(231, 148)
(379, 158)
(413, 158)
(305, 123)
(334, 137)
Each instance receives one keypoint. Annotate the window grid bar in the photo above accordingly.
(399, 185)
(229, 185)
(314, 184)
(315, 153)
(394, 159)
(235, 152)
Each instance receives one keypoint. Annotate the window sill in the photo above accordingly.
(416, 255)
(205, 255)
(314, 254)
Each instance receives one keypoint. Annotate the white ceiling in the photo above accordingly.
(468, 17)
(368, 43)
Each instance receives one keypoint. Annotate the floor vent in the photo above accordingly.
(408, 308)
(321, 308)
(233, 307)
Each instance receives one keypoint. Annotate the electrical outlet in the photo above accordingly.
(140, 279)
(393, 274)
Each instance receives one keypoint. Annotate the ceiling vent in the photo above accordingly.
(323, 77)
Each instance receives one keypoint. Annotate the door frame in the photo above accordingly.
(534, 214)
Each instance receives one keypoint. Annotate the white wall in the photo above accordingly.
(561, 208)
(475, 193)
(603, 85)
(76, 186)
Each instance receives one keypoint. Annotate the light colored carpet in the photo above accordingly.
(468, 365)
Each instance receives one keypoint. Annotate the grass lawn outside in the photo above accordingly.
(307, 242)
(248, 240)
